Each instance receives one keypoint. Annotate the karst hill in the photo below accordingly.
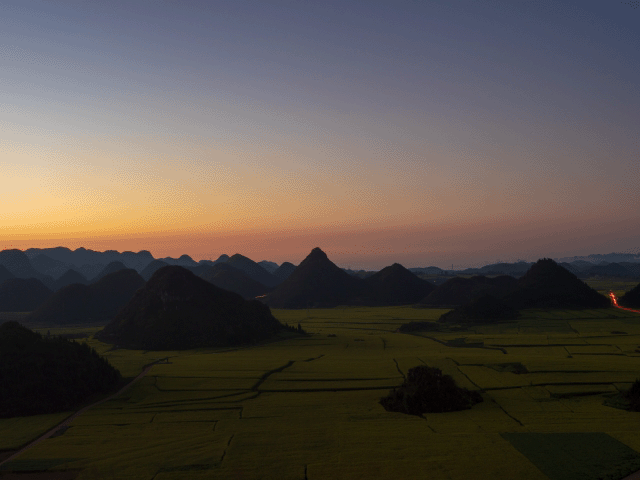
(395, 285)
(548, 285)
(23, 294)
(89, 304)
(224, 276)
(631, 299)
(176, 310)
(317, 282)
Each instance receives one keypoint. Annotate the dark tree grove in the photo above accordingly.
(633, 396)
(427, 390)
(46, 375)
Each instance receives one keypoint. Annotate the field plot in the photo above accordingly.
(307, 407)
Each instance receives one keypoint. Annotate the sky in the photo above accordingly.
(451, 132)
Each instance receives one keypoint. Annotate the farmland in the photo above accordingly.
(307, 406)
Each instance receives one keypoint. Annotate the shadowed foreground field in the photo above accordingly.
(307, 407)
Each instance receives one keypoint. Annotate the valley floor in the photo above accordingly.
(306, 407)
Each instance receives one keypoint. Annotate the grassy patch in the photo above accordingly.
(576, 456)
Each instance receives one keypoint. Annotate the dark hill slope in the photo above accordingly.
(224, 276)
(459, 290)
(152, 268)
(48, 266)
(631, 299)
(23, 294)
(395, 285)
(18, 264)
(284, 271)
(69, 277)
(610, 270)
(318, 282)
(47, 375)
(547, 285)
(253, 270)
(5, 274)
(95, 303)
(178, 310)
(110, 268)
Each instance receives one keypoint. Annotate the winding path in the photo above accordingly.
(71, 418)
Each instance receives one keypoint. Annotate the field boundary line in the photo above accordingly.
(65, 423)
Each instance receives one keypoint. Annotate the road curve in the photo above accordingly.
(70, 419)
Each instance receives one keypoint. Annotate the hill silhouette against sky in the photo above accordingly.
(317, 282)
(395, 285)
(253, 270)
(177, 310)
(548, 285)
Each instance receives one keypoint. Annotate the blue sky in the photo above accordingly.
(277, 126)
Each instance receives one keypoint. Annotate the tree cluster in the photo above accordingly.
(427, 390)
(48, 374)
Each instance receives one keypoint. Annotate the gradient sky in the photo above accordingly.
(421, 132)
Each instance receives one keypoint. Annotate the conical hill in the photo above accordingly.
(177, 310)
(631, 299)
(395, 285)
(23, 294)
(548, 285)
(69, 277)
(110, 268)
(224, 276)
(317, 282)
(95, 303)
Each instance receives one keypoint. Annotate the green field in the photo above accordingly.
(307, 407)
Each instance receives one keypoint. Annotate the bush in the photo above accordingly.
(427, 390)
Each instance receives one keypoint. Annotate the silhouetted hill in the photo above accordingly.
(318, 282)
(95, 303)
(548, 285)
(23, 294)
(183, 261)
(229, 278)
(284, 271)
(268, 266)
(48, 266)
(18, 264)
(426, 270)
(609, 270)
(178, 310)
(86, 257)
(485, 309)
(631, 299)
(47, 375)
(395, 285)
(459, 290)
(253, 270)
(633, 267)
(69, 277)
(152, 268)
(5, 274)
(111, 268)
